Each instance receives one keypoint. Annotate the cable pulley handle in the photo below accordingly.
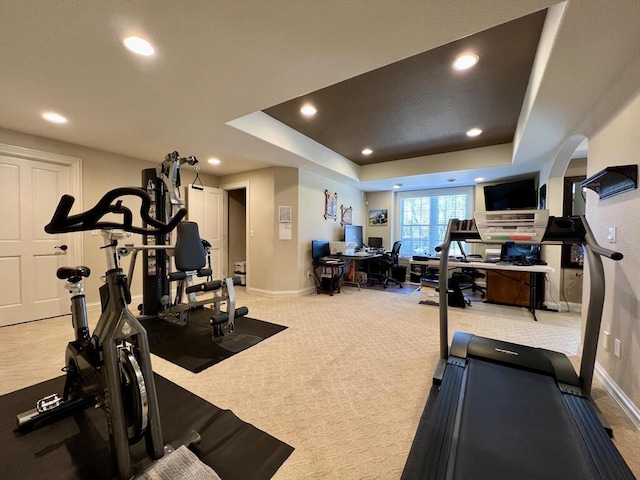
(62, 222)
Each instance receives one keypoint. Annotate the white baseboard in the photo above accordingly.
(575, 307)
(564, 306)
(618, 395)
(96, 307)
(281, 293)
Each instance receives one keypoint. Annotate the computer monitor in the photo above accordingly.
(526, 253)
(353, 235)
(375, 242)
(319, 249)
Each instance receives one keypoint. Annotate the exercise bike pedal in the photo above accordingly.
(49, 409)
(48, 403)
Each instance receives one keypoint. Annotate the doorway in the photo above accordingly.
(572, 257)
(33, 183)
(237, 233)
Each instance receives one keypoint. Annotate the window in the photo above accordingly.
(424, 215)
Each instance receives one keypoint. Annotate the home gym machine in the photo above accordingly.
(190, 258)
(110, 368)
(163, 186)
(502, 410)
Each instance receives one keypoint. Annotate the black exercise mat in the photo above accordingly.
(77, 447)
(192, 347)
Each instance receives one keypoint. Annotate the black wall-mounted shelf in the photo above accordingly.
(613, 181)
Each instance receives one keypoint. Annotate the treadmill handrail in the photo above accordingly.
(569, 230)
(443, 249)
(594, 253)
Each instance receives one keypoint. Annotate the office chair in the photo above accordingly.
(467, 280)
(390, 261)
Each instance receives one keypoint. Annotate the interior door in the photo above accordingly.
(205, 207)
(29, 257)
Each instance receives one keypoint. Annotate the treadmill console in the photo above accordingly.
(518, 226)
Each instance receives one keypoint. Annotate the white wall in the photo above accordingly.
(617, 143)
(313, 225)
(101, 171)
(381, 201)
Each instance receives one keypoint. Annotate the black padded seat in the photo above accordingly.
(190, 254)
(73, 274)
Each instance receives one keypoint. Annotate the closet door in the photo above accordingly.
(205, 207)
(29, 257)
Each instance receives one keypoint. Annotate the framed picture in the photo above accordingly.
(542, 197)
(346, 215)
(284, 214)
(330, 205)
(378, 217)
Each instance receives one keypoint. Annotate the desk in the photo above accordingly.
(328, 284)
(531, 269)
(357, 259)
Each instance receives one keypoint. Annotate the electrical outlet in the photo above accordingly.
(612, 235)
(616, 347)
(605, 340)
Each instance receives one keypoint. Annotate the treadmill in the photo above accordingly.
(498, 410)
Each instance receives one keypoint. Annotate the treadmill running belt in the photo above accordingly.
(516, 424)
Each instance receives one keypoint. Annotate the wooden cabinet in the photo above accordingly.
(514, 288)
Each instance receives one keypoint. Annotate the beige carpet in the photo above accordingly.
(345, 384)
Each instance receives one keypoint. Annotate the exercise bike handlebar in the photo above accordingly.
(62, 222)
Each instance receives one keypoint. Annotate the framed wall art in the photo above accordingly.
(377, 217)
(330, 205)
(284, 214)
(346, 215)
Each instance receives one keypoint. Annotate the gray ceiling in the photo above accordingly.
(220, 65)
(422, 106)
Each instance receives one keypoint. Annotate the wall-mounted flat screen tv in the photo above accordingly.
(511, 196)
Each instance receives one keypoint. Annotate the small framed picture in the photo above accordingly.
(330, 205)
(284, 214)
(377, 217)
(346, 214)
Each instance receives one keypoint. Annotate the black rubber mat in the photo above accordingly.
(192, 346)
(77, 447)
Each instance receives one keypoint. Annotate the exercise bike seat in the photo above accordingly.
(73, 274)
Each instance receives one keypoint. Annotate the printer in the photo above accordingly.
(337, 248)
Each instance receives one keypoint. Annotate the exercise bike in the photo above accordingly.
(110, 368)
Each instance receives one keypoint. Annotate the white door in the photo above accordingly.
(205, 208)
(29, 257)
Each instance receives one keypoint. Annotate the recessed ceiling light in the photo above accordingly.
(397, 185)
(54, 117)
(139, 46)
(474, 132)
(214, 161)
(367, 151)
(478, 179)
(308, 110)
(465, 61)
